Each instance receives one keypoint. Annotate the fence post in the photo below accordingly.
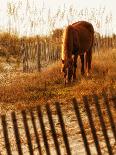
(38, 55)
(24, 57)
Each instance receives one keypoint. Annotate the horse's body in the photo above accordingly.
(78, 39)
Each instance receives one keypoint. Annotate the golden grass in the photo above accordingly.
(26, 90)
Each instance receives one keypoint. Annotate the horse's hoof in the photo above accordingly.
(82, 73)
(66, 82)
(74, 79)
(88, 74)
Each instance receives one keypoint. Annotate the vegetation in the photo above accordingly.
(24, 90)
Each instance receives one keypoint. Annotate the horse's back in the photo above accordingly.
(84, 24)
(83, 35)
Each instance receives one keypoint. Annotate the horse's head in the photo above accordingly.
(67, 48)
(67, 69)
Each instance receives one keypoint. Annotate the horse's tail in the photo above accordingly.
(92, 37)
(92, 32)
(67, 47)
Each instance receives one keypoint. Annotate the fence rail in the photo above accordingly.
(43, 122)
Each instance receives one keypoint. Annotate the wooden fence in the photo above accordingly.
(61, 129)
(39, 54)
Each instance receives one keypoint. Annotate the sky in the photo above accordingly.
(39, 16)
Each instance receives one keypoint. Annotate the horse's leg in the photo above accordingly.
(88, 60)
(82, 64)
(75, 66)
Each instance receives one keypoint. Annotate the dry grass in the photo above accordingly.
(24, 90)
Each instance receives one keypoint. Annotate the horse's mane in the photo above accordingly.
(67, 46)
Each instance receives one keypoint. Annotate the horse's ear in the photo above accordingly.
(63, 61)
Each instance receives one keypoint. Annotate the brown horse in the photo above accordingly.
(77, 40)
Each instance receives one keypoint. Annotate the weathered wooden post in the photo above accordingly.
(38, 55)
(44, 50)
(23, 55)
(27, 57)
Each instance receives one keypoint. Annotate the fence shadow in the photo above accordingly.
(59, 113)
